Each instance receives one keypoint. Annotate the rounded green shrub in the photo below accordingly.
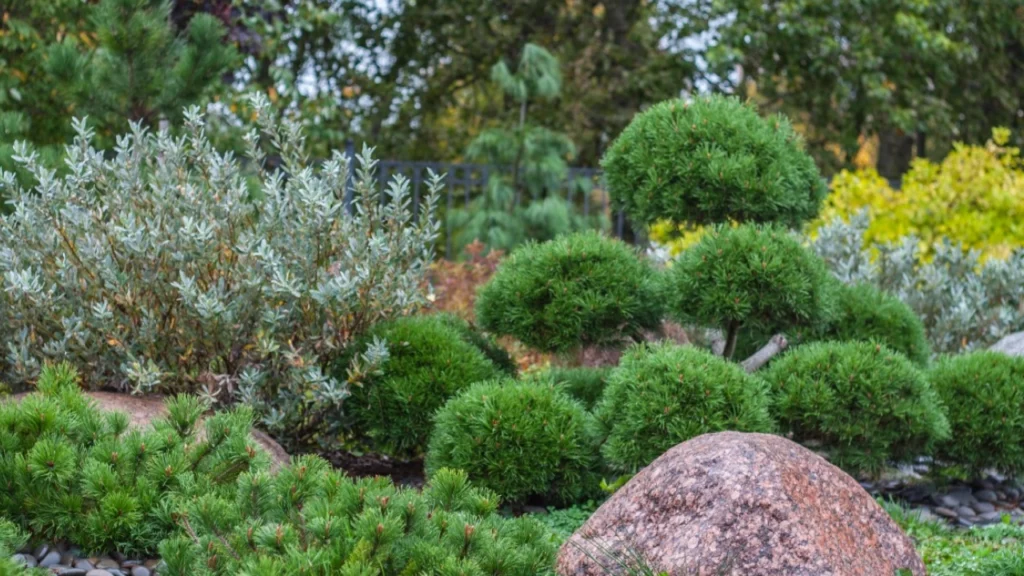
(750, 277)
(483, 342)
(428, 363)
(865, 403)
(584, 383)
(520, 439)
(709, 161)
(577, 290)
(867, 313)
(663, 394)
(984, 397)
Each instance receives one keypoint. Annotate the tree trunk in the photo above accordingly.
(895, 151)
(731, 336)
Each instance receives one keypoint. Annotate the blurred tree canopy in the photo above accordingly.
(909, 77)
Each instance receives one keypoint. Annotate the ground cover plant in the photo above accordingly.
(72, 473)
(866, 404)
(156, 270)
(521, 439)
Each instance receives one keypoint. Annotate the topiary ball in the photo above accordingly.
(577, 290)
(709, 161)
(984, 397)
(483, 342)
(751, 277)
(584, 383)
(663, 394)
(428, 363)
(867, 404)
(867, 313)
(519, 439)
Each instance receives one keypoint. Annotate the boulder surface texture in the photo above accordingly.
(740, 504)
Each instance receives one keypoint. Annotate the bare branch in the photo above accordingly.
(777, 344)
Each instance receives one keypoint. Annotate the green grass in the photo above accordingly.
(996, 550)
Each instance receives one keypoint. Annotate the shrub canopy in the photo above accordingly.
(428, 362)
(867, 313)
(750, 277)
(577, 290)
(520, 439)
(584, 383)
(867, 404)
(984, 396)
(709, 161)
(663, 394)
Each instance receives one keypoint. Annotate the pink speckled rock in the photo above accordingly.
(741, 504)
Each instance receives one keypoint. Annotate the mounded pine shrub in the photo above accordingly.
(311, 519)
(867, 313)
(483, 342)
(520, 439)
(866, 404)
(752, 277)
(576, 290)
(428, 362)
(984, 397)
(709, 161)
(584, 383)
(72, 473)
(12, 539)
(663, 394)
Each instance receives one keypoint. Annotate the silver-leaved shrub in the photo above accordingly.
(168, 266)
(965, 304)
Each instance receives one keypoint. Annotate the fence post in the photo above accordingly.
(350, 155)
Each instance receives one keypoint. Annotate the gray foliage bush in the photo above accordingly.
(965, 304)
(168, 266)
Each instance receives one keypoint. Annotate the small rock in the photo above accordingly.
(992, 517)
(965, 512)
(83, 564)
(947, 512)
(19, 559)
(535, 509)
(50, 559)
(925, 515)
(65, 571)
(986, 495)
(116, 572)
(1012, 493)
(30, 560)
(140, 571)
(964, 522)
(41, 551)
(67, 559)
(983, 507)
(151, 564)
(948, 502)
(107, 563)
(98, 572)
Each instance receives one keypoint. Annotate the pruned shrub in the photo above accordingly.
(72, 473)
(584, 383)
(577, 290)
(520, 439)
(428, 361)
(153, 270)
(662, 394)
(984, 397)
(482, 342)
(709, 161)
(869, 314)
(866, 404)
(310, 519)
(750, 278)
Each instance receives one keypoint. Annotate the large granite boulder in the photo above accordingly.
(144, 409)
(741, 504)
(1011, 345)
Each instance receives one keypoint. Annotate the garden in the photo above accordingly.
(237, 337)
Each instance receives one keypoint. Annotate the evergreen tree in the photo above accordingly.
(115, 61)
(522, 202)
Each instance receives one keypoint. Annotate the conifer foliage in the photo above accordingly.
(750, 277)
(72, 473)
(710, 161)
(520, 439)
(428, 362)
(577, 290)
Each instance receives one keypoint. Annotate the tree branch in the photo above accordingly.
(777, 344)
(717, 342)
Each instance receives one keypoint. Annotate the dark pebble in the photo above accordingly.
(140, 571)
(965, 512)
(84, 564)
(947, 512)
(98, 572)
(983, 507)
(50, 559)
(71, 571)
(986, 496)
